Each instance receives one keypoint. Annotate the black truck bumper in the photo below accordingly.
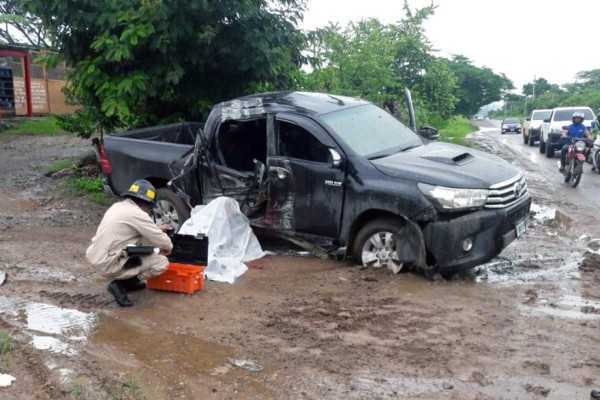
(489, 231)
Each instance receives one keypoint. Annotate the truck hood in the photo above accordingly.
(448, 165)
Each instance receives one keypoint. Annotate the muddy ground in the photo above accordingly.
(526, 325)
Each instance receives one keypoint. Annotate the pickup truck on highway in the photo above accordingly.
(328, 167)
(552, 127)
(533, 125)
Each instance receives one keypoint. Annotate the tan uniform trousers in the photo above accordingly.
(151, 266)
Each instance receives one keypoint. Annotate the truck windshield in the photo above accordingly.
(541, 115)
(567, 115)
(371, 132)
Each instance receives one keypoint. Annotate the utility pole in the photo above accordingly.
(533, 95)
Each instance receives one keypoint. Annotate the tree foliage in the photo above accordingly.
(17, 26)
(142, 62)
(377, 61)
(477, 86)
(541, 86)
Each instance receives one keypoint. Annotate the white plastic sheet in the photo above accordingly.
(231, 241)
(6, 380)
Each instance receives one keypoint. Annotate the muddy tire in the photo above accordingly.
(531, 140)
(576, 175)
(549, 151)
(375, 244)
(542, 145)
(525, 138)
(170, 209)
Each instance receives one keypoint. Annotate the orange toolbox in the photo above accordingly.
(181, 278)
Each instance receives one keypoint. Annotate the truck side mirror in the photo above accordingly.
(335, 159)
(547, 120)
(528, 119)
(429, 132)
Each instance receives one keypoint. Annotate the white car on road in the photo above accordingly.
(533, 125)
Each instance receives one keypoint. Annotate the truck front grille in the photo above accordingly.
(516, 215)
(506, 193)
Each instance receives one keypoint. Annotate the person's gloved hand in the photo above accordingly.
(165, 228)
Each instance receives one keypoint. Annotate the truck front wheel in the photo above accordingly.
(170, 209)
(375, 244)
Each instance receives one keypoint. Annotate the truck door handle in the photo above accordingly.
(281, 173)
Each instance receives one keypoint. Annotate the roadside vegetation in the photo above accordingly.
(7, 344)
(38, 126)
(457, 130)
(127, 72)
(89, 187)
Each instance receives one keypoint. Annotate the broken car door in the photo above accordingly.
(306, 178)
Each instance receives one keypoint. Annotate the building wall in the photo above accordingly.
(46, 88)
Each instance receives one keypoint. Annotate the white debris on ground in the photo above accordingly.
(6, 380)
(231, 241)
(542, 213)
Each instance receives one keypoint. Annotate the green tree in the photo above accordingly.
(377, 61)
(541, 86)
(477, 86)
(17, 26)
(142, 62)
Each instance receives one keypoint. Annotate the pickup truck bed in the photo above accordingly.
(133, 150)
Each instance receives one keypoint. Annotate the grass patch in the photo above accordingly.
(91, 188)
(42, 126)
(60, 165)
(456, 131)
(7, 344)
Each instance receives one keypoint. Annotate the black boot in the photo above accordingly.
(134, 283)
(117, 289)
(595, 394)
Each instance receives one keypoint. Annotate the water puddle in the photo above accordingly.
(51, 328)
(542, 268)
(568, 306)
(180, 360)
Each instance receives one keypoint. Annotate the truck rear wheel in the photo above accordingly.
(170, 209)
(375, 244)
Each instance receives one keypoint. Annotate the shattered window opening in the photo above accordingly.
(239, 143)
(297, 142)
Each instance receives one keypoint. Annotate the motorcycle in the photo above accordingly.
(595, 155)
(576, 157)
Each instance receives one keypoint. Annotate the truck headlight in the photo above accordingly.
(451, 199)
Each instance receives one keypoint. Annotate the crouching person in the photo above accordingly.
(128, 223)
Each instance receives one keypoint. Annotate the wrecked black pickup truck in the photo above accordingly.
(328, 167)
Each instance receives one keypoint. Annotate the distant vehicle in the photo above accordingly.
(552, 127)
(533, 125)
(510, 125)
(479, 118)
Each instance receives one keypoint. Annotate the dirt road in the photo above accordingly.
(524, 326)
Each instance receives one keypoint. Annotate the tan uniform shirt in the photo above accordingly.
(123, 223)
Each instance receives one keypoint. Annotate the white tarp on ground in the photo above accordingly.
(231, 241)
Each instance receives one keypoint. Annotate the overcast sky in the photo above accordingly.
(520, 38)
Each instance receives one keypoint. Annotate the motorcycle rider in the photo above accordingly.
(577, 130)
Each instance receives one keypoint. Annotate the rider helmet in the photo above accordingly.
(578, 114)
(142, 190)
